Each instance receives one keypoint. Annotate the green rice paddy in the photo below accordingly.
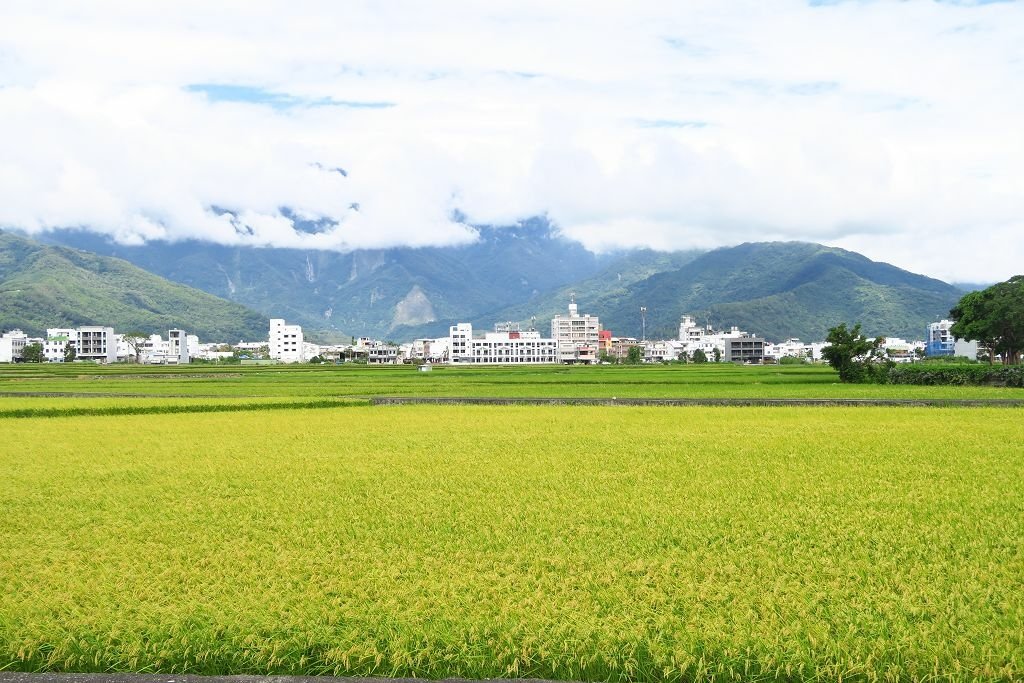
(293, 381)
(578, 543)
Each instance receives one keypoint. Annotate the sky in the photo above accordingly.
(895, 129)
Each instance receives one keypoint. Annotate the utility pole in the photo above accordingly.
(643, 323)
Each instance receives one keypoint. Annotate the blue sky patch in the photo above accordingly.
(670, 123)
(813, 88)
(220, 92)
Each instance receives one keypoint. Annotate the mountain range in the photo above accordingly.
(783, 289)
(527, 272)
(45, 286)
(372, 292)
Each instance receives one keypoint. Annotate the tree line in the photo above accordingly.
(993, 317)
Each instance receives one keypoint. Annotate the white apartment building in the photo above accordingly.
(11, 345)
(56, 343)
(660, 351)
(460, 347)
(428, 350)
(311, 350)
(96, 343)
(286, 342)
(577, 336)
(177, 347)
(689, 330)
(508, 347)
(791, 348)
(210, 351)
(901, 350)
(381, 353)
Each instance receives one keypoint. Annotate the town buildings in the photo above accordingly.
(177, 347)
(578, 337)
(745, 349)
(575, 338)
(58, 339)
(286, 342)
(96, 343)
(12, 343)
(507, 345)
(734, 346)
(938, 340)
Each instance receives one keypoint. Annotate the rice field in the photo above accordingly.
(131, 383)
(577, 543)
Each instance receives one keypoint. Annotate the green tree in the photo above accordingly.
(717, 354)
(32, 353)
(70, 354)
(993, 317)
(699, 356)
(635, 355)
(854, 356)
(136, 341)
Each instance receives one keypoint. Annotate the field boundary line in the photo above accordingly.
(80, 411)
(706, 402)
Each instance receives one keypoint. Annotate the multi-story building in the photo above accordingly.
(791, 348)
(11, 346)
(508, 347)
(662, 351)
(382, 353)
(689, 330)
(460, 348)
(96, 343)
(177, 347)
(714, 344)
(745, 349)
(938, 340)
(286, 342)
(55, 346)
(578, 336)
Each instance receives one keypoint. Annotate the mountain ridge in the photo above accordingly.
(526, 273)
(43, 286)
(343, 294)
(786, 289)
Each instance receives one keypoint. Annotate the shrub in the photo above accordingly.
(958, 375)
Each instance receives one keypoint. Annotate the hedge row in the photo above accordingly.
(993, 375)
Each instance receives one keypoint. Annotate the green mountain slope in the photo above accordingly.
(621, 271)
(527, 271)
(779, 290)
(44, 286)
(374, 292)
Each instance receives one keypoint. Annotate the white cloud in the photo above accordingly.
(889, 128)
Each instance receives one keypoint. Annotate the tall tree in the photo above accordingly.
(993, 317)
(635, 355)
(136, 341)
(851, 353)
(32, 353)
